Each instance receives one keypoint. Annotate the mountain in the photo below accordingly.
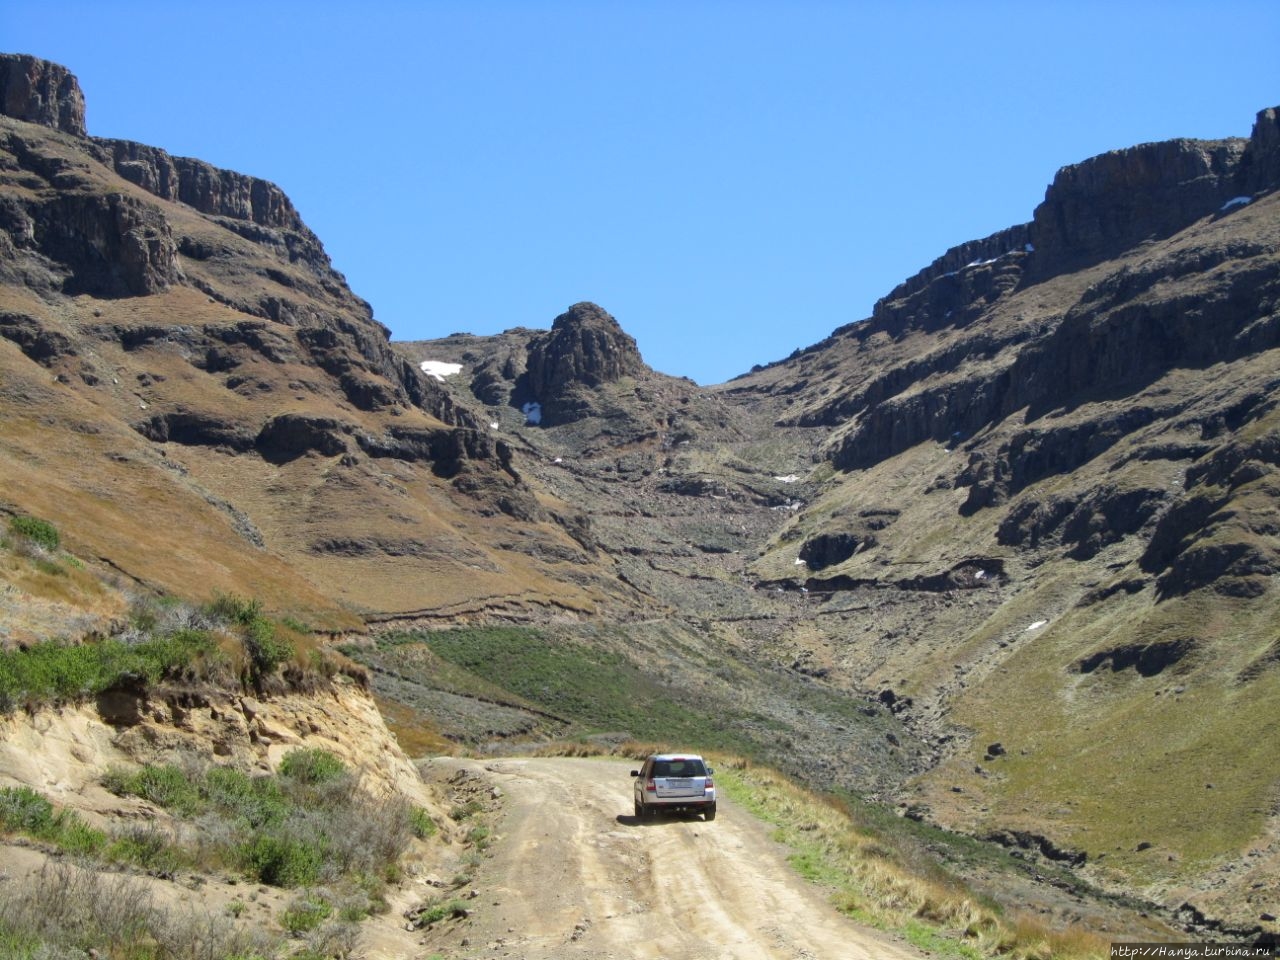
(1000, 554)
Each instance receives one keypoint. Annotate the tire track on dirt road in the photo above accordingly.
(572, 875)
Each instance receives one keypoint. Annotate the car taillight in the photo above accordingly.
(709, 785)
(650, 786)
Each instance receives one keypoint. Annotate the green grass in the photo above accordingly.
(596, 689)
(52, 672)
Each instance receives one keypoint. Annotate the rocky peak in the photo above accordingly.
(586, 347)
(1260, 166)
(38, 91)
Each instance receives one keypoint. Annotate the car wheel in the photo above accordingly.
(710, 813)
(639, 811)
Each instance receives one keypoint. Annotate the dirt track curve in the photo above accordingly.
(574, 875)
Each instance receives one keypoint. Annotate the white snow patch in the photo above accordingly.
(1030, 248)
(789, 478)
(1236, 202)
(1037, 625)
(558, 460)
(493, 425)
(799, 562)
(439, 369)
(532, 412)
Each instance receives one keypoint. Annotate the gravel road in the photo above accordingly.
(574, 875)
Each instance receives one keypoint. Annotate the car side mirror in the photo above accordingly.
(635, 773)
(710, 771)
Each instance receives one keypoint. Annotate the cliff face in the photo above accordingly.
(38, 91)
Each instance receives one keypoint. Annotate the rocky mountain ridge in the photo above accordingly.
(1029, 504)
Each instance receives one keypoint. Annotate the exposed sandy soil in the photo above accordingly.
(574, 874)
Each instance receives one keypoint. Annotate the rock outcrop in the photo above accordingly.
(38, 91)
(584, 348)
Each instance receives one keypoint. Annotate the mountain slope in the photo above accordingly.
(229, 414)
(1029, 504)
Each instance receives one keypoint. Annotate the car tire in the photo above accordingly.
(710, 813)
(639, 811)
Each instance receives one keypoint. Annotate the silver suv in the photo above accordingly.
(674, 781)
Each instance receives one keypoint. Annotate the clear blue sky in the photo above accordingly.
(730, 180)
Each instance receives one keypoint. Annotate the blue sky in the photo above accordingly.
(731, 180)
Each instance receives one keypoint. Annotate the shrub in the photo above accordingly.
(165, 786)
(266, 650)
(38, 531)
(254, 801)
(421, 823)
(65, 912)
(305, 913)
(283, 861)
(312, 766)
(146, 847)
(23, 810)
(232, 609)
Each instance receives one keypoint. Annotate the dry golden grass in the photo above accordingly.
(871, 882)
(416, 738)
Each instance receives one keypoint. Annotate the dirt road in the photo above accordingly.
(574, 875)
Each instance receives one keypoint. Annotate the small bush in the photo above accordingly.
(313, 766)
(23, 810)
(165, 786)
(146, 847)
(283, 861)
(421, 823)
(296, 625)
(305, 913)
(38, 531)
(65, 912)
(255, 801)
(439, 910)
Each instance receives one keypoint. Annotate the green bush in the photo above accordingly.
(232, 609)
(283, 861)
(23, 810)
(305, 913)
(421, 823)
(165, 786)
(266, 650)
(38, 531)
(313, 766)
(309, 823)
(148, 848)
(253, 801)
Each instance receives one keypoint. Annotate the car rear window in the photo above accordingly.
(679, 768)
